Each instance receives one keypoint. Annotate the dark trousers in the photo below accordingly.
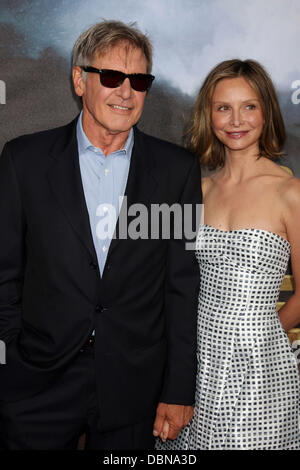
(57, 417)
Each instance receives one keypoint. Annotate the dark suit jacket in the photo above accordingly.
(52, 296)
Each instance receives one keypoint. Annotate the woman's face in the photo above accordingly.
(237, 116)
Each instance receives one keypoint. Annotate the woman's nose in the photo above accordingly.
(236, 117)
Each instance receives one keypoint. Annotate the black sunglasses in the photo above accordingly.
(114, 78)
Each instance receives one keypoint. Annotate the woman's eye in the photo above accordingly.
(223, 108)
(250, 106)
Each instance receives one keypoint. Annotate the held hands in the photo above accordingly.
(170, 419)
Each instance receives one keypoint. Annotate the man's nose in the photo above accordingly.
(125, 90)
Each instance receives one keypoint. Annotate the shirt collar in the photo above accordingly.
(84, 143)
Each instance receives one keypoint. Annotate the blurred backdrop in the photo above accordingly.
(189, 37)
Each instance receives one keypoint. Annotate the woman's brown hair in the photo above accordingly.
(200, 138)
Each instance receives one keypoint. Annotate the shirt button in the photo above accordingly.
(106, 171)
(93, 265)
(104, 248)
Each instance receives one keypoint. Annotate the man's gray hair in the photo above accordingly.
(102, 36)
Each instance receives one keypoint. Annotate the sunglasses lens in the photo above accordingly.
(114, 78)
(111, 78)
(140, 82)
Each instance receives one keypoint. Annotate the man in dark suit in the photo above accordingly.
(100, 333)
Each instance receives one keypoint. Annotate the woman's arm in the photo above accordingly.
(289, 314)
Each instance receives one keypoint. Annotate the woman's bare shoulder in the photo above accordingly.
(278, 177)
(290, 197)
(290, 191)
(208, 181)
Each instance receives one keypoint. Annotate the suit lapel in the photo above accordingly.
(141, 182)
(65, 180)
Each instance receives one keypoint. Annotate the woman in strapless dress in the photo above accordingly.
(248, 385)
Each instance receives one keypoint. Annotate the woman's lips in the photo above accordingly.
(237, 135)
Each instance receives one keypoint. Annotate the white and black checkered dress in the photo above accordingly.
(248, 386)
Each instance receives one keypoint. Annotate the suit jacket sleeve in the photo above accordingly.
(12, 236)
(17, 377)
(181, 299)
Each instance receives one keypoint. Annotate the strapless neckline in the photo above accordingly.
(248, 230)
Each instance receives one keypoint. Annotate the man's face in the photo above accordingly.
(112, 110)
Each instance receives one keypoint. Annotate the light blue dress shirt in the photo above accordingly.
(104, 181)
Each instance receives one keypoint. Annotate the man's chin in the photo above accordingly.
(118, 131)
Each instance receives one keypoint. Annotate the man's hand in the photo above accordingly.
(170, 419)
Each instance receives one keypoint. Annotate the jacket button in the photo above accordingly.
(100, 309)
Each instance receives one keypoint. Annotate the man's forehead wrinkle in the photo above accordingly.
(122, 50)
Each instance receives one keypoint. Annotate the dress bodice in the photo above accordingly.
(238, 266)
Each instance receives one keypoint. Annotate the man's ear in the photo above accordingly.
(78, 82)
